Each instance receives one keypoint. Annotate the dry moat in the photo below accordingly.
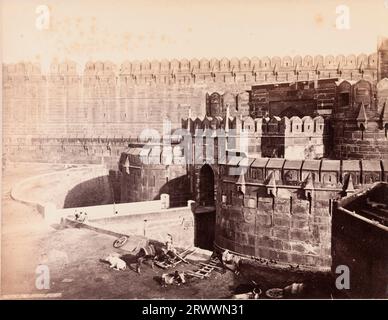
(73, 256)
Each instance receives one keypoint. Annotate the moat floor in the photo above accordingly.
(73, 257)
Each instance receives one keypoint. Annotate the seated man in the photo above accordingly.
(169, 249)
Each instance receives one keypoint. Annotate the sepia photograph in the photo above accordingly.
(194, 150)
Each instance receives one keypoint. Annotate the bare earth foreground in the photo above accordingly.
(73, 257)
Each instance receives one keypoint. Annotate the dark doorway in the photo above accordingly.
(205, 222)
(205, 213)
(206, 186)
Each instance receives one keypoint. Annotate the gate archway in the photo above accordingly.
(206, 186)
(205, 213)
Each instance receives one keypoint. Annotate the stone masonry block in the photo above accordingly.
(263, 219)
(263, 230)
(282, 221)
(299, 235)
(281, 233)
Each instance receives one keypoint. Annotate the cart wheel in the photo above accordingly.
(274, 293)
(120, 241)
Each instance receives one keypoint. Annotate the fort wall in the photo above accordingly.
(64, 150)
(64, 103)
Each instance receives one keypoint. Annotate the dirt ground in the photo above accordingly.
(73, 258)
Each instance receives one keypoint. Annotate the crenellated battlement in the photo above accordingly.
(194, 67)
(339, 176)
(294, 126)
(343, 175)
(294, 137)
(351, 95)
(120, 100)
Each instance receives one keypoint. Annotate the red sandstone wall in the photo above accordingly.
(64, 103)
(283, 229)
(55, 150)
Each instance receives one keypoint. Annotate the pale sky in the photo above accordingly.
(119, 30)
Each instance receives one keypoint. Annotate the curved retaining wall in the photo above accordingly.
(74, 187)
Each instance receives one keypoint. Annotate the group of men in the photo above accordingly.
(165, 253)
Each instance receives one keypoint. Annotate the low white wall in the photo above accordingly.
(149, 218)
(108, 210)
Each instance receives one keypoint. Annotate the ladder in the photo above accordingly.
(206, 269)
(203, 272)
(172, 262)
(214, 261)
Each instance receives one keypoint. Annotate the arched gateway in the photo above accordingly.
(205, 213)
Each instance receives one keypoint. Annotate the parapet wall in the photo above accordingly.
(267, 125)
(287, 63)
(320, 174)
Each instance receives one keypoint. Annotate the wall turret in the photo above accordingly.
(359, 128)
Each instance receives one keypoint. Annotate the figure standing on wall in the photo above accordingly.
(169, 245)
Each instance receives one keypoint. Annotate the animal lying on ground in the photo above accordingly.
(115, 262)
(231, 261)
(175, 278)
